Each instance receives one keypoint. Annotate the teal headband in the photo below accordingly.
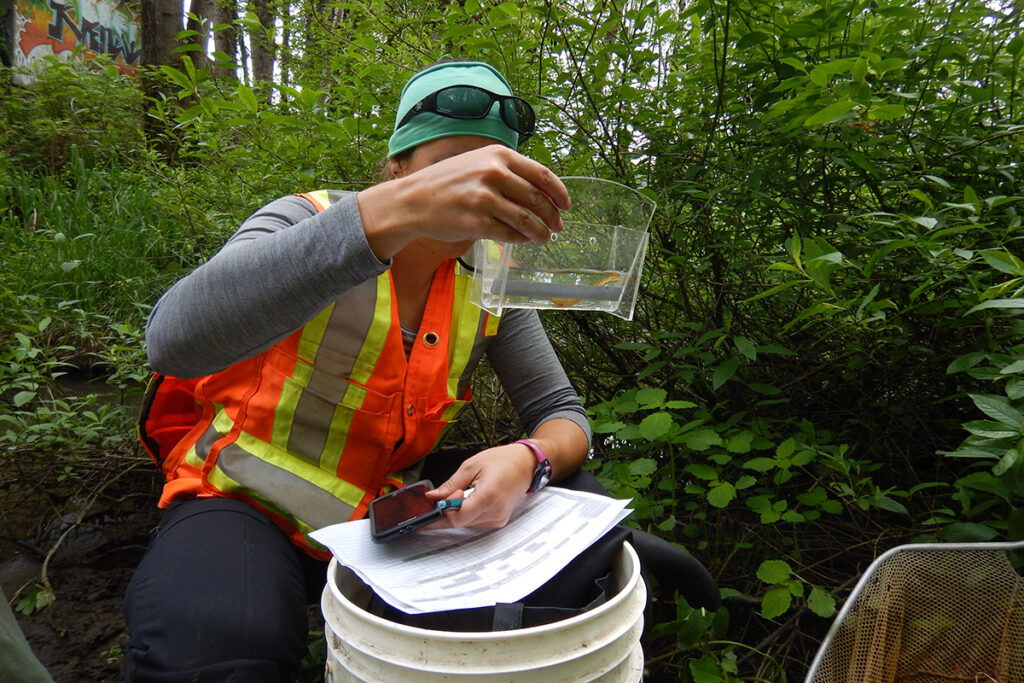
(430, 126)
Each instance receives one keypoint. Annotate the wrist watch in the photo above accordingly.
(542, 473)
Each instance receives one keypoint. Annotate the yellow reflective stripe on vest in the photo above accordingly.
(322, 197)
(337, 436)
(491, 325)
(313, 334)
(465, 322)
(373, 344)
(291, 393)
(378, 334)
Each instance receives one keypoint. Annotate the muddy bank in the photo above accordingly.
(93, 546)
(80, 637)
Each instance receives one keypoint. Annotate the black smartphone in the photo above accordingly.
(402, 511)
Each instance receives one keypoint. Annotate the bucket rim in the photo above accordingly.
(624, 593)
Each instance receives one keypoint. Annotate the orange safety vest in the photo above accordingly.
(314, 428)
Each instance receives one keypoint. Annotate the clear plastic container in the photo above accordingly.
(593, 264)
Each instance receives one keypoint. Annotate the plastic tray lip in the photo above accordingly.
(651, 204)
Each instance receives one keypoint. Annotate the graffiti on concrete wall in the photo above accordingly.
(67, 27)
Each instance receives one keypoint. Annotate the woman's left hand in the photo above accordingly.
(499, 476)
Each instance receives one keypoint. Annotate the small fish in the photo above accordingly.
(566, 303)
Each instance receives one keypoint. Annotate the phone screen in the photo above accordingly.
(402, 511)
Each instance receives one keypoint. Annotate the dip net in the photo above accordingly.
(930, 613)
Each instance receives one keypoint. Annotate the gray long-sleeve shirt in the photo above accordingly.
(287, 263)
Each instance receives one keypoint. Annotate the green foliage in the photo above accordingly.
(42, 417)
(311, 669)
(108, 236)
(839, 225)
(35, 599)
(831, 301)
(989, 494)
(74, 105)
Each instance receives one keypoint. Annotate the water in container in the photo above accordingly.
(593, 264)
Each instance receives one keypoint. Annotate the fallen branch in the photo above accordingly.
(44, 577)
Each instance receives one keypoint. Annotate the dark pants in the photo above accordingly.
(220, 595)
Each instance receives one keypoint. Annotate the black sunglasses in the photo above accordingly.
(471, 102)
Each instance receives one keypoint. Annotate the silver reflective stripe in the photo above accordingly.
(205, 442)
(310, 425)
(284, 491)
(333, 196)
(339, 348)
(349, 324)
(479, 347)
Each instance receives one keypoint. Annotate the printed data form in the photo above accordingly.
(434, 570)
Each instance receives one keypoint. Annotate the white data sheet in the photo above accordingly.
(430, 571)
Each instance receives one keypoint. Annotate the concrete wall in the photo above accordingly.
(60, 27)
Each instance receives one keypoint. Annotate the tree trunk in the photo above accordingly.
(263, 43)
(243, 61)
(225, 40)
(6, 32)
(284, 56)
(209, 14)
(161, 21)
(199, 21)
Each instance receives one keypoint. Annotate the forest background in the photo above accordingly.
(826, 359)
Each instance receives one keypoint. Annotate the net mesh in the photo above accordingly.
(932, 616)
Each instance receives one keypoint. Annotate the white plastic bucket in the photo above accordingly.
(602, 644)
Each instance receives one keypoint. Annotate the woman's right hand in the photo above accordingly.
(458, 191)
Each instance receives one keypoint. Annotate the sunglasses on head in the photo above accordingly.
(471, 102)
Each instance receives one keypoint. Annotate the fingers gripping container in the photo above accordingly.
(593, 264)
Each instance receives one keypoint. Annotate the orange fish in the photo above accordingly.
(566, 303)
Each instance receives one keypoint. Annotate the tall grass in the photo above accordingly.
(93, 228)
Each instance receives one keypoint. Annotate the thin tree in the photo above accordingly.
(262, 42)
(213, 21)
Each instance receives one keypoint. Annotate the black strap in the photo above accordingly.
(507, 616)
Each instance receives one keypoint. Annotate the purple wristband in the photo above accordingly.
(542, 473)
